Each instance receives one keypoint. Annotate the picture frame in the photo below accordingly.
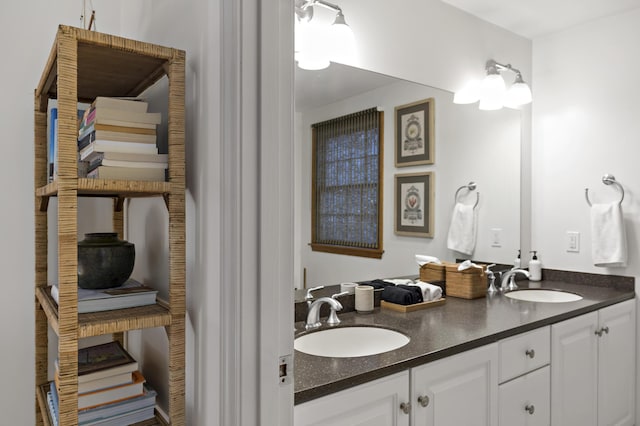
(414, 204)
(415, 133)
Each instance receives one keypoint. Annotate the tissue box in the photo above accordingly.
(430, 272)
(468, 284)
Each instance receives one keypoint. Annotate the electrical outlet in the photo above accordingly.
(573, 242)
(496, 237)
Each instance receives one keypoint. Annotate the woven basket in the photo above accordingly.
(468, 284)
(431, 272)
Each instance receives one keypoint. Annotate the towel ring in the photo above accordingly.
(607, 180)
(471, 187)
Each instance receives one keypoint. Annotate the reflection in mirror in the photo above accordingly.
(470, 145)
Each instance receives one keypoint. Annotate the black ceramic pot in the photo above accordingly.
(104, 261)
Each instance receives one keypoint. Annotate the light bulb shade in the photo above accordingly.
(492, 92)
(309, 61)
(311, 47)
(343, 41)
(518, 94)
(469, 94)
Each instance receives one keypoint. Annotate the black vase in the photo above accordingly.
(104, 261)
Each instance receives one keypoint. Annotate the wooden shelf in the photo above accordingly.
(107, 322)
(83, 65)
(110, 188)
(106, 65)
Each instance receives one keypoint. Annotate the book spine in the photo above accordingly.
(86, 140)
(53, 118)
(85, 130)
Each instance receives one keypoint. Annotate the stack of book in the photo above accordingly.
(117, 140)
(129, 295)
(111, 390)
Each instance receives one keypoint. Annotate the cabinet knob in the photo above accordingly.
(602, 330)
(406, 407)
(423, 400)
(530, 353)
(530, 408)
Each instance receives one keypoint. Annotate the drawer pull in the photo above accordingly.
(530, 408)
(423, 400)
(604, 330)
(530, 353)
(406, 407)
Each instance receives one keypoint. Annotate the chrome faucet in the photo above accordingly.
(313, 316)
(508, 282)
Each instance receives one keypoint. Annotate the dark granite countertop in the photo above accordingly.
(454, 327)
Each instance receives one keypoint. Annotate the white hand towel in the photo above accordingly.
(462, 231)
(398, 281)
(608, 237)
(430, 292)
(423, 260)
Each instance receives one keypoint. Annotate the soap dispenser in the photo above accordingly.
(517, 263)
(535, 267)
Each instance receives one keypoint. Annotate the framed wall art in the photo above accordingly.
(414, 204)
(414, 133)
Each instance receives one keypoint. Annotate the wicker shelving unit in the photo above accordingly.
(82, 65)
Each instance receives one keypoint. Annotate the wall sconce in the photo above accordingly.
(492, 91)
(317, 44)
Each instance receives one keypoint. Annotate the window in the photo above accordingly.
(346, 204)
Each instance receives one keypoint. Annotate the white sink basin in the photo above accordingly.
(544, 296)
(348, 342)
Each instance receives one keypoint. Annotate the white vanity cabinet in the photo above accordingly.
(382, 402)
(524, 390)
(593, 368)
(578, 372)
(459, 390)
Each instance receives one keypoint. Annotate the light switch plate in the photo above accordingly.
(496, 237)
(573, 242)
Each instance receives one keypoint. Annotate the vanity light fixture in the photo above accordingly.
(318, 44)
(492, 91)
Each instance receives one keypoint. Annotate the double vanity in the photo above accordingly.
(492, 361)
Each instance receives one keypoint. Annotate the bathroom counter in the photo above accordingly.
(442, 331)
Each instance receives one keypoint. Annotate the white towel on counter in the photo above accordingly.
(608, 236)
(430, 292)
(462, 231)
(424, 259)
(398, 281)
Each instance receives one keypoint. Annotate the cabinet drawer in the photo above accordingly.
(526, 400)
(523, 353)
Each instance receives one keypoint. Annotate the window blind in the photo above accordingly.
(347, 178)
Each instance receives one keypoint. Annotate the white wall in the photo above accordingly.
(585, 113)
(470, 145)
(191, 26)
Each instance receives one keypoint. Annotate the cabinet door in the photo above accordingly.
(525, 401)
(616, 374)
(372, 404)
(574, 371)
(458, 390)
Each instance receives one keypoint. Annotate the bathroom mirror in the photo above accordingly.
(470, 145)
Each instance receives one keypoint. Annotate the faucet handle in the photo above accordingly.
(333, 315)
(335, 296)
(492, 278)
(309, 297)
(488, 268)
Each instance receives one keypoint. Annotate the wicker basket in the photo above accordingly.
(432, 272)
(468, 284)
